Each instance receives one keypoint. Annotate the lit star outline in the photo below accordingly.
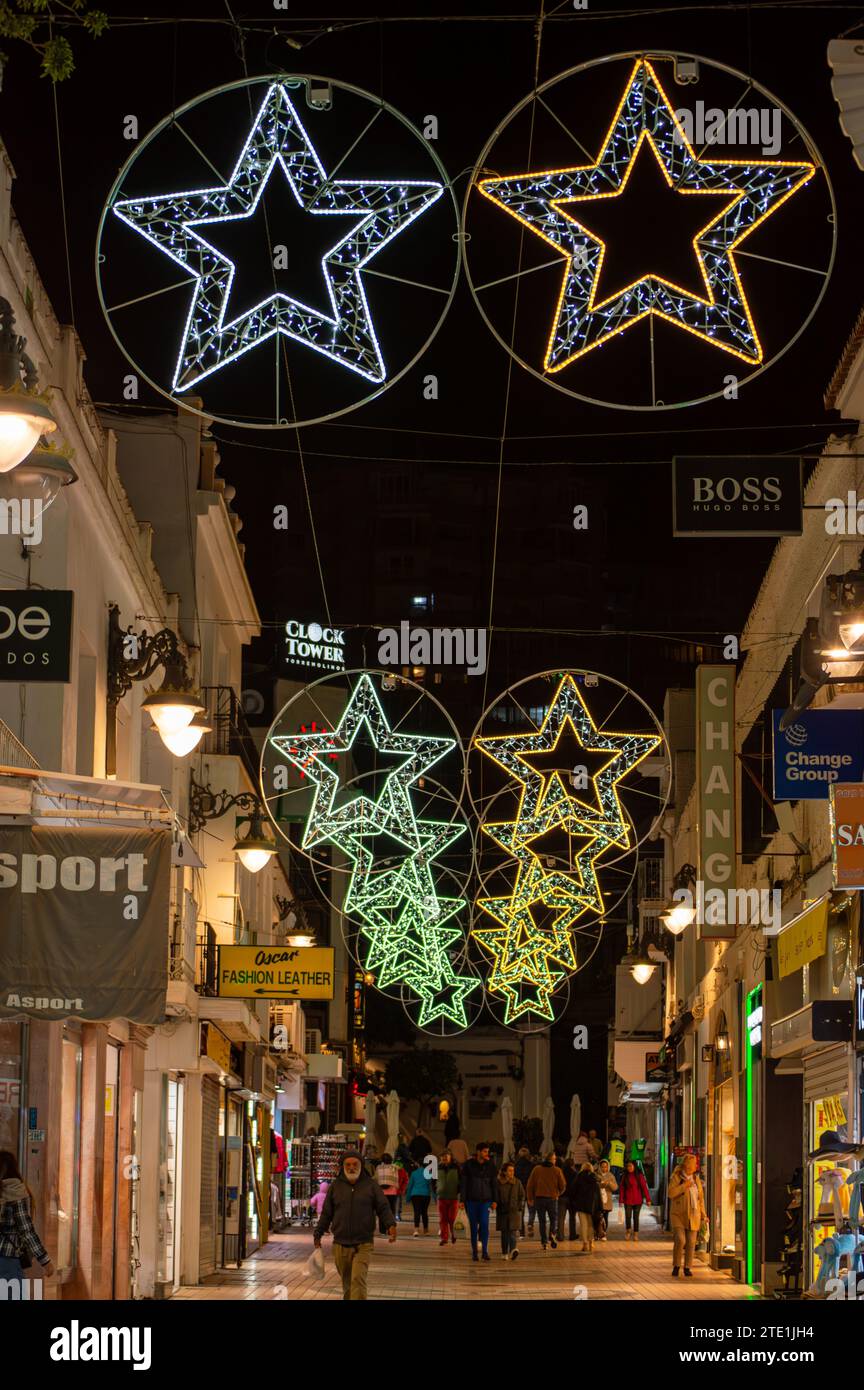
(407, 939)
(723, 318)
(168, 221)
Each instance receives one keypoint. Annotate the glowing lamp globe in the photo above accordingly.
(255, 849)
(183, 741)
(172, 710)
(678, 918)
(23, 419)
(642, 971)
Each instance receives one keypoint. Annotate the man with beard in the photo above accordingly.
(351, 1206)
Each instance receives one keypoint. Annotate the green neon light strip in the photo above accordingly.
(752, 1003)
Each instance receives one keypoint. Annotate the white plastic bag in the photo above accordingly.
(315, 1264)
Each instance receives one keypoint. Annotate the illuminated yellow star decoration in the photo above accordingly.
(523, 954)
(543, 202)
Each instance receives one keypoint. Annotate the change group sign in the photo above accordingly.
(822, 747)
(84, 923)
(275, 972)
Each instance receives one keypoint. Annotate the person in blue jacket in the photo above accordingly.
(419, 1192)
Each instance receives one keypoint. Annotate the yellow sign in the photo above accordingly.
(834, 1112)
(218, 1048)
(275, 972)
(804, 940)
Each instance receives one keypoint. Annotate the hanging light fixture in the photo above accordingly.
(253, 849)
(256, 848)
(642, 966)
(183, 741)
(679, 914)
(23, 415)
(40, 478)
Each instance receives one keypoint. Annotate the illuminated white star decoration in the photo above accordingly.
(173, 222)
(550, 202)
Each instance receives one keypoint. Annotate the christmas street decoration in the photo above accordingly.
(530, 957)
(408, 928)
(177, 224)
(554, 202)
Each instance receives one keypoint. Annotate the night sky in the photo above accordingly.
(626, 573)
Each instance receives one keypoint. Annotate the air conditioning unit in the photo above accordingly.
(264, 1077)
(312, 1045)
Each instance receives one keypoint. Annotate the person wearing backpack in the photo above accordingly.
(447, 1185)
(419, 1194)
(19, 1243)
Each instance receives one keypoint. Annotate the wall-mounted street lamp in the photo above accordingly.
(298, 930)
(253, 849)
(175, 708)
(835, 637)
(23, 415)
(678, 915)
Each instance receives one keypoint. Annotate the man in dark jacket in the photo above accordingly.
(420, 1147)
(352, 1203)
(478, 1189)
(524, 1164)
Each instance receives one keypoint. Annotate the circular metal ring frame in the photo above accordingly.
(553, 676)
(564, 76)
(167, 121)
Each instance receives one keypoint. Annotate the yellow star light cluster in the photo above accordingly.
(529, 962)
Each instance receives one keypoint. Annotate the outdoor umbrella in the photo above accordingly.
(392, 1123)
(575, 1123)
(548, 1124)
(507, 1127)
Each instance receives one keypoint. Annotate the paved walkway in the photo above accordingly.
(422, 1269)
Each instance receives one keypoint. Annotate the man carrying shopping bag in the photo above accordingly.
(353, 1202)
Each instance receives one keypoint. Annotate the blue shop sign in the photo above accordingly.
(821, 747)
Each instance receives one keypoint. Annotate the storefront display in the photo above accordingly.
(299, 1180)
(230, 1178)
(831, 1164)
(69, 1174)
(170, 1168)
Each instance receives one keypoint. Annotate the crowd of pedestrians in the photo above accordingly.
(571, 1199)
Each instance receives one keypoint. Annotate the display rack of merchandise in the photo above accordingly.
(327, 1151)
(297, 1210)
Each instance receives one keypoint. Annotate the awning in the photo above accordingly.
(32, 796)
(823, 1021)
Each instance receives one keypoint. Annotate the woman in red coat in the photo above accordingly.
(632, 1194)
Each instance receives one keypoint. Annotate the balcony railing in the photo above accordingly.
(206, 949)
(231, 733)
(12, 750)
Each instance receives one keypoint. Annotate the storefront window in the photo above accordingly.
(169, 1172)
(68, 1186)
(230, 1178)
(725, 1174)
(829, 1113)
(11, 1053)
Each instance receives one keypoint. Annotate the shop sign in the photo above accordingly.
(311, 645)
(217, 1047)
(803, 940)
(821, 748)
(847, 834)
(275, 972)
(835, 1115)
(721, 496)
(715, 784)
(35, 634)
(83, 914)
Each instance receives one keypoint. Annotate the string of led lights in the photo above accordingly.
(407, 926)
(522, 950)
(546, 203)
(172, 222)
